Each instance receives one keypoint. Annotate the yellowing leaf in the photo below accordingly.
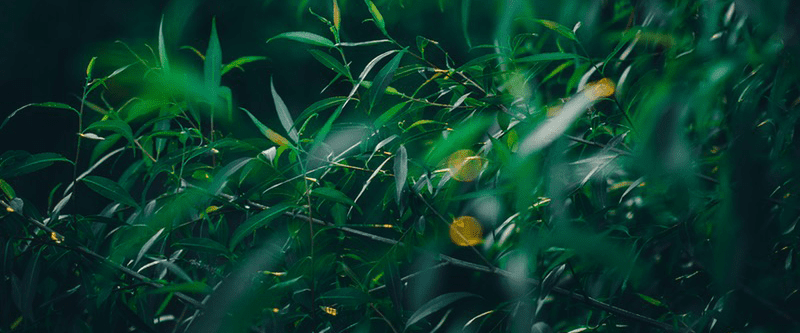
(337, 16)
(329, 310)
(600, 89)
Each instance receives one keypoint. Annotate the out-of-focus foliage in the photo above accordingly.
(587, 166)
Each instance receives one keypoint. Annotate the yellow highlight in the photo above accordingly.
(211, 209)
(466, 231)
(329, 310)
(56, 237)
(276, 138)
(9, 209)
(600, 89)
(464, 166)
(337, 16)
(276, 310)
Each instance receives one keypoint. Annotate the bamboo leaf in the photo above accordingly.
(162, 50)
(51, 105)
(147, 245)
(400, 170)
(257, 221)
(382, 80)
(241, 61)
(554, 56)
(560, 29)
(212, 66)
(33, 163)
(334, 195)
(113, 125)
(377, 17)
(202, 245)
(331, 62)
(436, 304)
(319, 106)
(283, 113)
(109, 189)
(304, 37)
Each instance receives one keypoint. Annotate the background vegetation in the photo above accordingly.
(393, 166)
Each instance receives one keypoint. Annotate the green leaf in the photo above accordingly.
(382, 80)
(33, 163)
(113, 125)
(257, 221)
(212, 66)
(109, 189)
(348, 296)
(188, 287)
(436, 304)
(304, 37)
(560, 29)
(241, 61)
(333, 195)
(202, 245)
(7, 190)
(147, 245)
(389, 114)
(162, 49)
(283, 113)
(548, 57)
(464, 136)
(650, 300)
(89, 68)
(319, 106)
(465, 21)
(52, 105)
(331, 63)
(400, 170)
(377, 17)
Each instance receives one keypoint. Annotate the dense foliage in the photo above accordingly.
(629, 167)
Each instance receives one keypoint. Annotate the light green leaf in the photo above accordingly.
(257, 221)
(377, 17)
(109, 189)
(331, 63)
(304, 37)
(113, 125)
(560, 29)
(241, 61)
(389, 114)
(162, 49)
(283, 113)
(436, 304)
(7, 190)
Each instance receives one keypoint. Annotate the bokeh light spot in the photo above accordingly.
(466, 231)
(464, 166)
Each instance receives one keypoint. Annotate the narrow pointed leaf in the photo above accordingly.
(333, 195)
(52, 105)
(162, 49)
(400, 170)
(383, 79)
(241, 61)
(330, 62)
(304, 37)
(436, 304)
(257, 221)
(33, 163)
(376, 17)
(319, 106)
(202, 245)
(113, 125)
(212, 66)
(109, 189)
(283, 113)
(147, 245)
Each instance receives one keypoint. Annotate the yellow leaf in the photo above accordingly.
(600, 89)
(337, 16)
(276, 138)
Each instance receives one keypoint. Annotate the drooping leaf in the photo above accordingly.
(436, 304)
(257, 221)
(117, 126)
(333, 195)
(382, 80)
(304, 37)
(32, 163)
(319, 106)
(109, 189)
(51, 105)
(283, 114)
(147, 245)
(266, 131)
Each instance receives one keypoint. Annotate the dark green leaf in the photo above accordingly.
(548, 57)
(202, 245)
(44, 105)
(304, 37)
(257, 221)
(212, 66)
(436, 304)
(32, 163)
(109, 189)
(383, 79)
(319, 106)
(113, 125)
(347, 296)
(283, 113)
(331, 63)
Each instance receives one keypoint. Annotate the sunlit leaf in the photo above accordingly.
(304, 37)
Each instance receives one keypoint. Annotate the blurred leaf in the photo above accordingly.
(189, 287)
(257, 221)
(349, 297)
(560, 29)
(109, 189)
(436, 304)
(463, 136)
(162, 50)
(202, 245)
(212, 65)
(7, 190)
(304, 37)
(548, 57)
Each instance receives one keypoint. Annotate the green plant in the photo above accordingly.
(537, 186)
